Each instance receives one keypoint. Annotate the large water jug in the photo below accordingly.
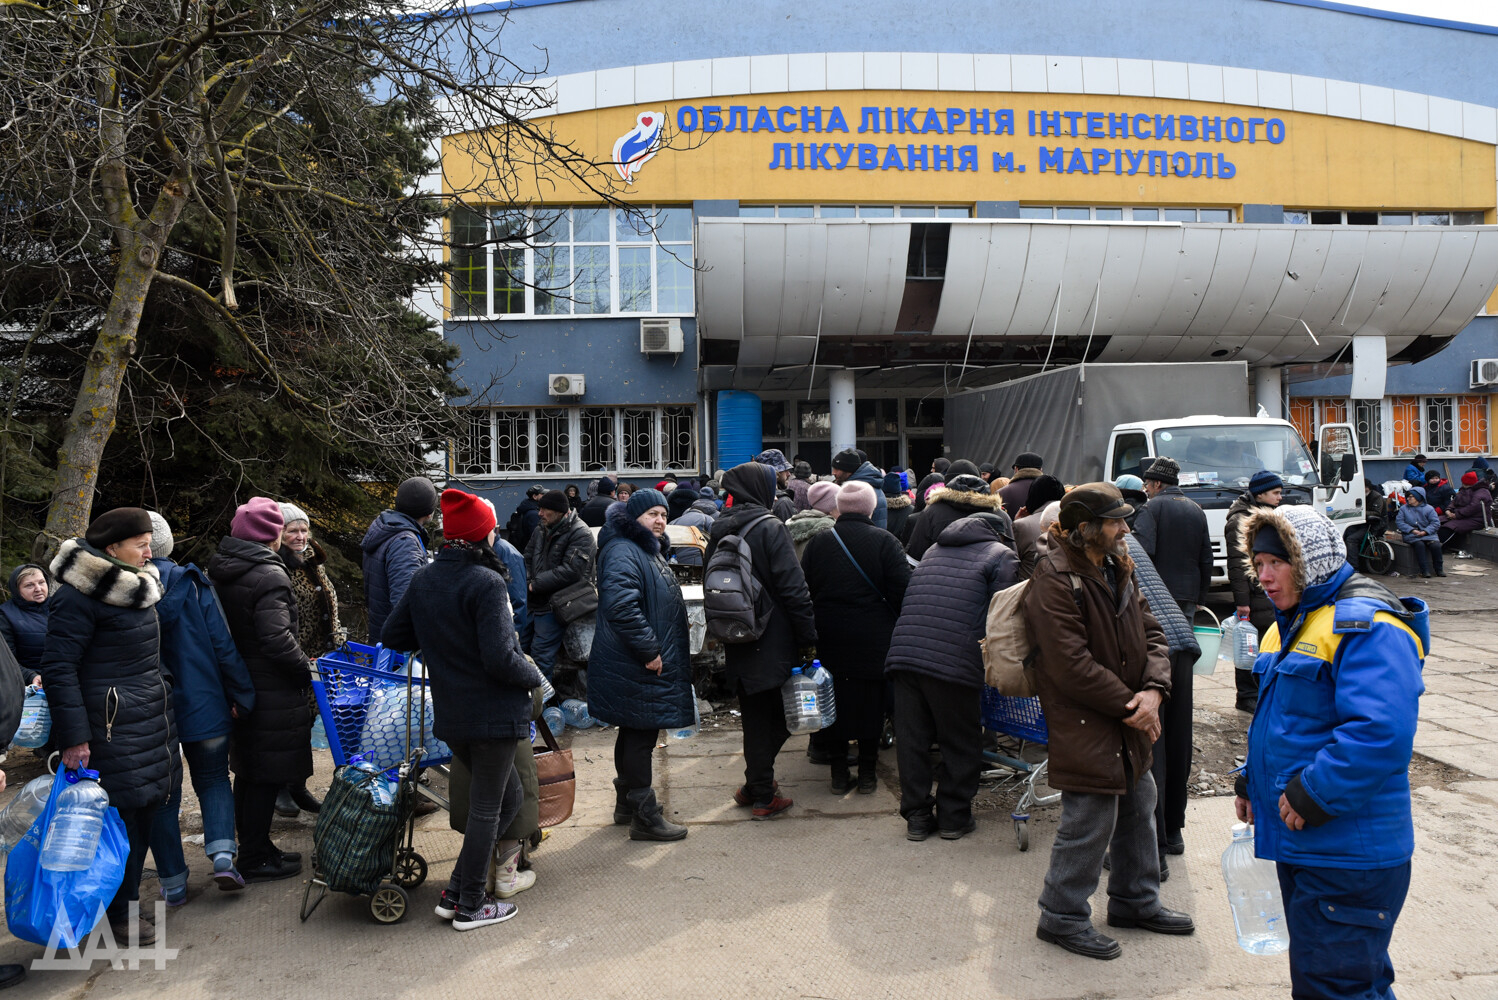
(1227, 646)
(72, 837)
(319, 734)
(552, 716)
(36, 720)
(1254, 895)
(1245, 645)
(826, 697)
(798, 695)
(687, 732)
(379, 786)
(575, 714)
(21, 811)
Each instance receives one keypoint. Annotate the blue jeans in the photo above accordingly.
(546, 640)
(1341, 921)
(208, 761)
(166, 841)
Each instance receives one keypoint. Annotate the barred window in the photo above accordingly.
(571, 440)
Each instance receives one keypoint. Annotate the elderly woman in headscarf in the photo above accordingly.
(318, 629)
(640, 669)
(23, 619)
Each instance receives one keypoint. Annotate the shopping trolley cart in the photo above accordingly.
(1021, 719)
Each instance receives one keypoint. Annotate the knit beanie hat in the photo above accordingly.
(823, 497)
(161, 536)
(1321, 542)
(801, 470)
(678, 502)
(846, 460)
(961, 467)
(1029, 460)
(1045, 489)
(642, 500)
(606, 486)
(554, 500)
(291, 513)
(856, 498)
(1469, 478)
(891, 485)
(1124, 482)
(116, 526)
(1263, 481)
(416, 497)
(1164, 470)
(466, 517)
(257, 521)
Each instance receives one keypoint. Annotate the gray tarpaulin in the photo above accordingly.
(1067, 415)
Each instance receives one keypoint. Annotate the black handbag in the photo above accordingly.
(574, 601)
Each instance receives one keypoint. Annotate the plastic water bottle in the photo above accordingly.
(798, 696)
(36, 720)
(319, 734)
(547, 691)
(379, 787)
(73, 835)
(575, 714)
(826, 697)
(1254, 895)
(21, 811)
(1227, 648)
(688, 732)
(553, 718)
(1245, 645)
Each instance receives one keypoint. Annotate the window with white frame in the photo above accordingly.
(577, 261)
(572, 440)
(1094, 213)
(1339, 217)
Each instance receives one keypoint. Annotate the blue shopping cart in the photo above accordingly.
(376, 703)
(1022, 719)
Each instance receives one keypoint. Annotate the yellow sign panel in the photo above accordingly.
(926, 152)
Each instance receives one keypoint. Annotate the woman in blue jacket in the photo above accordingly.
(1327, 779)
(639, 670)
(1419, 525)
(211, 687)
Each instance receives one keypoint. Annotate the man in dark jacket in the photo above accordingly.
(759, 668)
(1027, 469)
(272, 745)
(961, 497)
(1174, 533)
(1265, 490)
(849, 464)
(936, 668)
(785, 497)
(597, 507)
(528, 517)
(104, 682)
(1103, 672)
(395, 547)
(560, 554)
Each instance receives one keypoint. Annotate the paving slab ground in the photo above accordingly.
(831, 900)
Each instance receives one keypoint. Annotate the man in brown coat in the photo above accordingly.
(1103, 672)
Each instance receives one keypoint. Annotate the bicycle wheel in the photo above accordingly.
(1378, 556)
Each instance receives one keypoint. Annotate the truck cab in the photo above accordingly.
(1218, 455)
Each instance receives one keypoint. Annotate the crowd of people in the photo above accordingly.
(886, 581)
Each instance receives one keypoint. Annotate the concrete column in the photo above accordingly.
(844, 423)
(1267, 391)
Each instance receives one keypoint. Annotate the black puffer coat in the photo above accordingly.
(641, 615)
(1173, 531)
(457, 612)
(765, 664)
(557, 557)
(854, 622)
(1246, 590)
(273, 744)
(946, 605)
(103, 676)
(949, 505)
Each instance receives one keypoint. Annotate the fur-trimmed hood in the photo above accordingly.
(899, 501)
(805, 523)
(1026, 473)
(1314, 544)
(618, 524)
(964, 498)
(94, 574)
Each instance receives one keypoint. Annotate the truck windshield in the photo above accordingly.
(1229, 454)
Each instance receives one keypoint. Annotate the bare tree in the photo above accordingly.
(244, 172)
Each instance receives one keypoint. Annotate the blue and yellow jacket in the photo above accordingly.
(1335, 726)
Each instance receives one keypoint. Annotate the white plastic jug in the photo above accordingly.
(72, 838)
(22, 810)
(799, 697)
(1254, 895)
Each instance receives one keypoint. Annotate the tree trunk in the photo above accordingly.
(92, 420)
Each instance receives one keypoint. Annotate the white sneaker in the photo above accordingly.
(490, 911)
(1464, 555)
(509, 880)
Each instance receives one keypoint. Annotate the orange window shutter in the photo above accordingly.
(1301, 411)
(1406, 425)
(1472, 424)
(1334, 411)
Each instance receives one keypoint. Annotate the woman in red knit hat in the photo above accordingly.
(1469, 512)
(457, 612)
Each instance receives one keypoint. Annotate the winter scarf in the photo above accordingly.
(104, 578)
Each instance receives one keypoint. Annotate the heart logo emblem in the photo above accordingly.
(647, 120)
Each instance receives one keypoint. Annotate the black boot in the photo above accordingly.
(285, 805)
(841, 779)
(648, 823)
(304, 799)
(624, 812)
(1247, 683)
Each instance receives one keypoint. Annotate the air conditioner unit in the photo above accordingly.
(564, 385)
(1484, 372)
(660, 336)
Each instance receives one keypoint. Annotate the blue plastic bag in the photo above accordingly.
(40, 904)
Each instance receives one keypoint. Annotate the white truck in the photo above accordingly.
(1101, 421)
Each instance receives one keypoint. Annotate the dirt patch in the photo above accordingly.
(1428, 773)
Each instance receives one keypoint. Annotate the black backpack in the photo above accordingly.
(734, 602)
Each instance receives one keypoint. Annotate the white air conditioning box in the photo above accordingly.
(660, 336)
(564, 385)
(1484, 372)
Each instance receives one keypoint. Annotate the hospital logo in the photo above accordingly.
(638, 145)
